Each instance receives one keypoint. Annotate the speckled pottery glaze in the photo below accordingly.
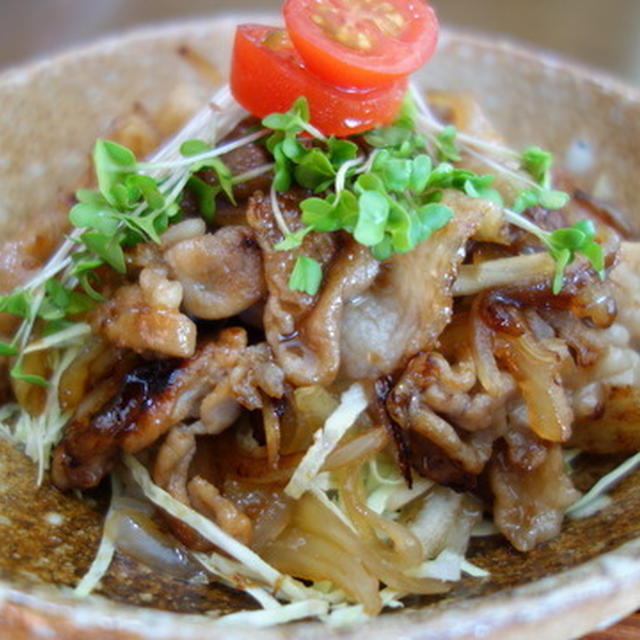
(51, 113)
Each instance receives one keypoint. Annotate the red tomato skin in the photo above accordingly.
(266, 80)
(343, 66)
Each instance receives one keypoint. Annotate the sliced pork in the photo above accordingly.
(221, 273)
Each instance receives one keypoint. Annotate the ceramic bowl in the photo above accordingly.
(50, 114)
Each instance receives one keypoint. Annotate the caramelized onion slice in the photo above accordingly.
(139, 537)
(404, 549)
(383, 560)
(305, 555)
(537, 372)
(357, 449)
(474, 278)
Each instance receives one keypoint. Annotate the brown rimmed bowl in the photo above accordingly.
(52, 111)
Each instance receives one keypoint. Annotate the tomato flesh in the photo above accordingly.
(268, 75)
(361, 43)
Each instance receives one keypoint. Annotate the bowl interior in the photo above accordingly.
(53, 111)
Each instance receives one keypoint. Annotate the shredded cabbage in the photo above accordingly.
(439, 519)
(106, 549)
(352, 403)
(277, 615)
(446, 566)
(66, 337)
(473, 570)
(387, 489)
(38, 434)
(592, 501)
(239, 567)
(353, 614)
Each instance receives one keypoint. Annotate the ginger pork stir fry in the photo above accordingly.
(342, 404)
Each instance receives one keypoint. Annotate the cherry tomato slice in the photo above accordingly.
(267, 76)
(361, 43)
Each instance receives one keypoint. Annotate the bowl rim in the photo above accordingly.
(562, 605)
(502, 44)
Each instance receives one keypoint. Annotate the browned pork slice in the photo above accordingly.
(368, 318)
(410, 301)
(304, 330)
(247, 162)
(608, 392)
(449, 421)
(221, 273)
(249, 384)
(171, 472)
(145, 317)
(206, 499)
(615, 425)
(255, 376)
(315, 352)
(246, 159)
(529, 505)
(152, 399)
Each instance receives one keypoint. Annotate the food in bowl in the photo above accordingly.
(301, 314)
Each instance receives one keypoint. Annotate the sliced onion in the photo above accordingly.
(271, 425)
(406, 550)
(308, 556)
(537, 372)
(352, 403)
(358, 449)
(267, 506)
(230, 460)
(487, 370)
(139, 537)
(435, 518)
(314, 405)
(312, 517)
